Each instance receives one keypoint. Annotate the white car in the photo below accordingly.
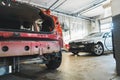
(96, 43)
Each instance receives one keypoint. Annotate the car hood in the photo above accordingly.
(90, 39)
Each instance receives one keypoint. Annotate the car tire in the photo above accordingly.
(55, 61)
(75, 53)
(98, 49)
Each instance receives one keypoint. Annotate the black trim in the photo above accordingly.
(26, 39)
(26, 31)
(116, 35)
(116, 41)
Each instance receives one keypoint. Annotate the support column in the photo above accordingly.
(116, 32)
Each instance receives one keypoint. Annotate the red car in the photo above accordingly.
(28, 35)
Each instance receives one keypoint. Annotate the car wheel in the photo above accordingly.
(98, 49)
(54, 61)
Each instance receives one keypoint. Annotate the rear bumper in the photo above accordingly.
(22, 48)
(77, 49)
(81, 48)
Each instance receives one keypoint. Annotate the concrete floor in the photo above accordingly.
(83, 67)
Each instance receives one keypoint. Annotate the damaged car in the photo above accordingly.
(28, 35)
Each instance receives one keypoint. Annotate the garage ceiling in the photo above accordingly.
(70, 7)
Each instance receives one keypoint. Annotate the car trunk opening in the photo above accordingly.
(18, 16)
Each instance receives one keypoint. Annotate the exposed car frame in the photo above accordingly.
(21, 38)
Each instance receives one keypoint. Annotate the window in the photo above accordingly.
(106, 27)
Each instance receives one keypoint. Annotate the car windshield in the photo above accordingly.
(94, 35)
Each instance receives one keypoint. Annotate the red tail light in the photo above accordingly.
(67, 46)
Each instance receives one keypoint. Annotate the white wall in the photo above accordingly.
(78, 28)
(115, 6)
(94, 27)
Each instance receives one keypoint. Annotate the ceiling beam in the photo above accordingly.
(53, 4)
(59, 4)
(96, 3)
(77, 16)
